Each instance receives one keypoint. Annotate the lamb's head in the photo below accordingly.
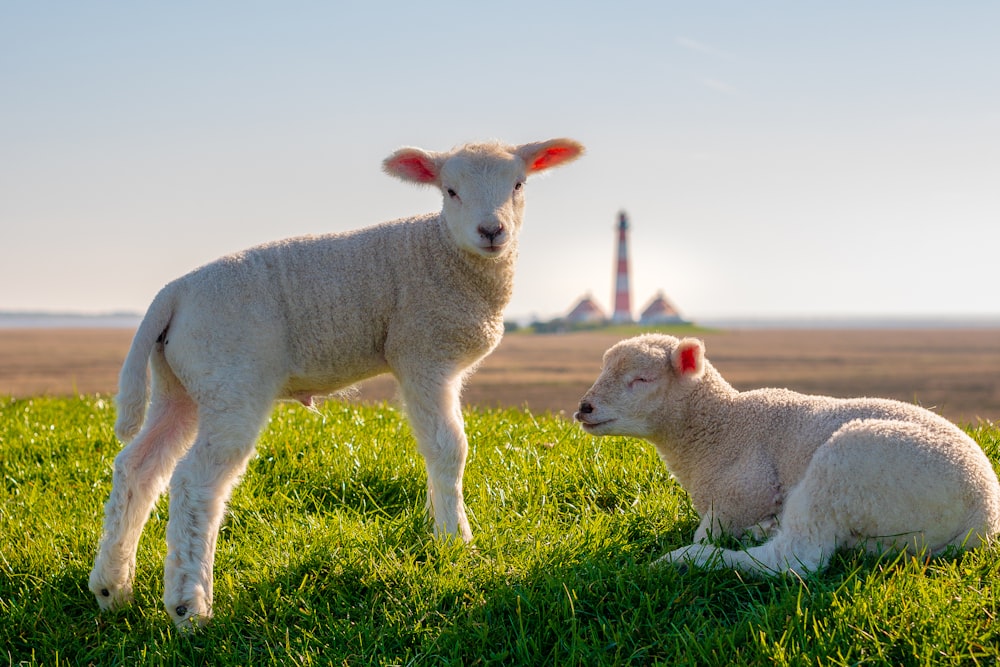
(644, 380)
(483, 186)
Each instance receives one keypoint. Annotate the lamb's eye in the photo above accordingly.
(635, 382)
(518, 186)
(452, 194)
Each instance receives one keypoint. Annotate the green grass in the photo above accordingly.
(326, 559)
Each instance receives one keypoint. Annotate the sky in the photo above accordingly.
(776, 159)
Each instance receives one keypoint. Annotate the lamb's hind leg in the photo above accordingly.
(140, 475)
(199, 490)
(436, 418)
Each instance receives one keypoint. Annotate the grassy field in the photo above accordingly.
(326, 559)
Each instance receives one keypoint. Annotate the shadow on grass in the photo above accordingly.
(439, 603)
(367, 492)
(431, 602)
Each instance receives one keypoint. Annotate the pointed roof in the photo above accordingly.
(586, 310)
(660, 310)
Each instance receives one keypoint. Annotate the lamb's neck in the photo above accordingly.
(491, 278)
(688, 436)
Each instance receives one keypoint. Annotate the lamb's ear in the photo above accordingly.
(415, 165)
(688, 358)
(547, 154)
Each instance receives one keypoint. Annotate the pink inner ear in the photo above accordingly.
(689, 360)
(414, 167)
(551, 157)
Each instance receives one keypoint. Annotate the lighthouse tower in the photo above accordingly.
(623, 302)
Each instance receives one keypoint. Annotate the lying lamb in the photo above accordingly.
(421, 297)
(814, 473)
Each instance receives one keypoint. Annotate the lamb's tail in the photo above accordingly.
(131, 399)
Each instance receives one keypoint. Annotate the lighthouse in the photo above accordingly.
(623, 301)
(588, 314)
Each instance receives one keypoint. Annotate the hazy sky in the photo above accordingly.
(775, 158)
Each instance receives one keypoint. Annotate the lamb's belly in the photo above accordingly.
(306, 383)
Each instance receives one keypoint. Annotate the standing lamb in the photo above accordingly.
(420, 297)
(815, 473)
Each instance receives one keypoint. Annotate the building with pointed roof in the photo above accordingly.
(660, 311)
(586, 311)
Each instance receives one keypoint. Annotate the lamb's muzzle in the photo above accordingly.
(490, 232)
(583, 415)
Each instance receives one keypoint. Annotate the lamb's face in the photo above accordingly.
(483, 186)
(484, 201)
(626, 391)
(641, 379)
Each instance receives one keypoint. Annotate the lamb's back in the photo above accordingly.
(325, 308)
(789, 426)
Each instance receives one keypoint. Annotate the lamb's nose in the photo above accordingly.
(490, 232)
(586, 408)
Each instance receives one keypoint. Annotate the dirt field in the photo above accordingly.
(955, 372)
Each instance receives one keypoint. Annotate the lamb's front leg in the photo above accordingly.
(709, 527)
(715, 524)
(433, 407)
(702, 551)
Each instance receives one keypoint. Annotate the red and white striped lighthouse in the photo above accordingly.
(623, 300)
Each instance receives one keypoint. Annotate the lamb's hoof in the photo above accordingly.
(188, 620)
(683, 559)
(188, 603)
(664, 561)
(110, 597)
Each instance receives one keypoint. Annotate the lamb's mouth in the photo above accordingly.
(588, 424)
